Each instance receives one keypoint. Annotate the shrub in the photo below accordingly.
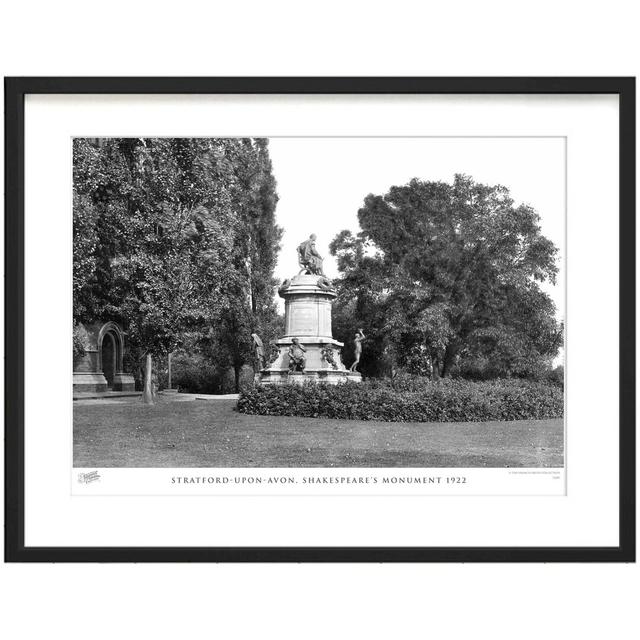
(556, 376)
(196, 373)
(80, 339)
(228, 381)
(191, 373)
(408, 399)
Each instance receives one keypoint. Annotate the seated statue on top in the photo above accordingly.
(308, 257)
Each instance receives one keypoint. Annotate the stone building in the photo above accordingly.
(101, 368)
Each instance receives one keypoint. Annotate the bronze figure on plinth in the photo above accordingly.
(297, 358)
(308, 257)
(357, 343)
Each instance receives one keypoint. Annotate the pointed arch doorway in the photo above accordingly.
(110, 357)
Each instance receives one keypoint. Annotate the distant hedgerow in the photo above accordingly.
(409, 400)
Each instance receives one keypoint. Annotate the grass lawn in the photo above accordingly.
(211, 433)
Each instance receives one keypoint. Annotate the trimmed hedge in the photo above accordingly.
(417, 400)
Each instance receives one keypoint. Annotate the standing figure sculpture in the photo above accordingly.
(297, 359)
(357, 343)
(308, 257)
(259, 352)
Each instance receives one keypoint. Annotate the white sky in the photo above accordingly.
(322, 182)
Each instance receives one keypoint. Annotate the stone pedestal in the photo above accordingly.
(308, 300)
(85, 381)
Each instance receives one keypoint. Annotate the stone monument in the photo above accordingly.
(307, 350)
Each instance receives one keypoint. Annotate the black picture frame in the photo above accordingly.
(15, 91)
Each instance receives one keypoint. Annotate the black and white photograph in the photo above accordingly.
(320, 321)
(364, 323)
(318, 302)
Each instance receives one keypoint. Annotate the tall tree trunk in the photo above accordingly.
(435, 368)
(448, 360)
(147, 394)
(236, 372)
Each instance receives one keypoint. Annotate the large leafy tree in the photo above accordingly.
(256, 245)
(159, 226)
(447, 277)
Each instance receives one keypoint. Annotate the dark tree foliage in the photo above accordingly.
(256, 244)
(445, 279)
(174, 238)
